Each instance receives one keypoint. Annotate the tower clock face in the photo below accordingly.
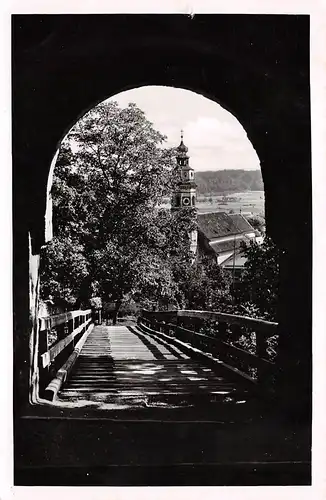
(186, 201)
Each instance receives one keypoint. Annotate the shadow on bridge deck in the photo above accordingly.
(138, 411)
(122, 367)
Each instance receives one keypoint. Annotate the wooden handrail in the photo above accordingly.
(241, 353)
(225, 343)
(207, 356)
(260, 325)
(48, 356)
(60, 321)
(48, 322)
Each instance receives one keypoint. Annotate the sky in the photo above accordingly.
(215, 138)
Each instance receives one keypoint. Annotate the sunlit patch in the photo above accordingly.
(145, 372)
(143, 366)
(196, 378)
(189, 372)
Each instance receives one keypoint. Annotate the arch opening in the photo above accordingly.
(87, 157)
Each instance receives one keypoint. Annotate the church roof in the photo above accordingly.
(217, 224)
(182, 149)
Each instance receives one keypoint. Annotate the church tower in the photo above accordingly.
(185, 194)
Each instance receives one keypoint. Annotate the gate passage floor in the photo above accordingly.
(135, 408)
(121, 365)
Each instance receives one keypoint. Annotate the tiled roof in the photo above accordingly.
(217, 224)
(241, 222)
(226, 246)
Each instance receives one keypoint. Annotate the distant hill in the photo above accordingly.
(219, 181)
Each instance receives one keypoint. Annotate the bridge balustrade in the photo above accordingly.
(246, 347)
(58, 336)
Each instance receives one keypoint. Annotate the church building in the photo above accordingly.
(185, 194)
(219, 234)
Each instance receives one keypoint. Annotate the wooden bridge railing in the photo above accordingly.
(65, 330)
(246, 347)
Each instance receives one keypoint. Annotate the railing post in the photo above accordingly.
(261, 345)
(236, 332)
(222, 331)
(43, 337)
(43, 347)
(70, 326)
(73, 341)
(264, 374)
(61, 331)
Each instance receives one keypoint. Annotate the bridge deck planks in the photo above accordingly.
(119, 364)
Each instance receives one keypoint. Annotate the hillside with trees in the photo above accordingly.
(221, 181)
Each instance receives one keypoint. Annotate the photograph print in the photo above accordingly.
(161, 250)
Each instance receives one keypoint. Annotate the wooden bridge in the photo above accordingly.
(178, 397)
(177, 359)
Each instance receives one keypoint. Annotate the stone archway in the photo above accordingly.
(257, 67)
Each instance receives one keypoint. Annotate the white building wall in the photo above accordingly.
(223, 256)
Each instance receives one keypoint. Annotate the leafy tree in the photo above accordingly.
(64, 269)
(259, 284)
(257, 222)
(203, 285)
(112, 241)
(96, 302)
(112, 173)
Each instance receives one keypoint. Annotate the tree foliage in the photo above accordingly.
(257, 222)
(259, 286)
(64, 271)
(205, 286)
(111, 239)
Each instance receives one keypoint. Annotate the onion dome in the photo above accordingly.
(182, 149)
